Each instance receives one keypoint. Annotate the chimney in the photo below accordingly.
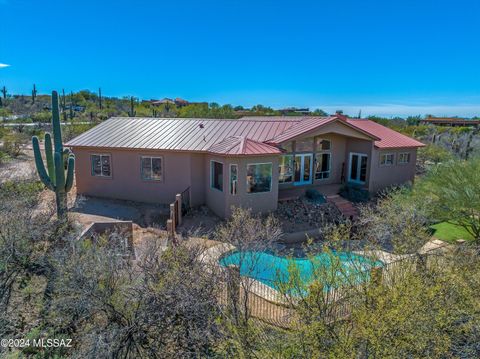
(339, 114)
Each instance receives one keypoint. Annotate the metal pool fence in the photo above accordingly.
(268, 305)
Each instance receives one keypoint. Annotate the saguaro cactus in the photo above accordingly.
(34, 93)
(54, 177)
(132, 112)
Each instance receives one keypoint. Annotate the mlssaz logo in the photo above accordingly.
(52, 343)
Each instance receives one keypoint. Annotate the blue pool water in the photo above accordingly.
(273, 270)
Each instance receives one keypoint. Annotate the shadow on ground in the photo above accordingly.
(94, 209)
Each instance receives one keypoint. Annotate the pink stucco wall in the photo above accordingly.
(221, 202)
(126, 181)
(384, 176)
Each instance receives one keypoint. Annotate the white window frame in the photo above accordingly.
(151, 168)
(101, 175)
(329, 152)
(384, 154)
(230, 180)
(211, 175)
(359, 166)
(246, 174)
(407, 154)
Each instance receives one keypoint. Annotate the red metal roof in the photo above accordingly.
(243, 146)
(222, 135)
(179, 134)
(388, 137)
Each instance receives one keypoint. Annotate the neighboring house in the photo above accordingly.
(450, 121)
(246, 162)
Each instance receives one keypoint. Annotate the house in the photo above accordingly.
(450, 121)
(294, 110)
(247, 162)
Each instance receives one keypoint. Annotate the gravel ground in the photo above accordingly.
(304, 214)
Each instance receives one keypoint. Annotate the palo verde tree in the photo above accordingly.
(54, 177)
(453, 192)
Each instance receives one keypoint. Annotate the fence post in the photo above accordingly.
(421, 263)
(173, 216)
(376, 275)
(233, 290)
(170, 229)
(178, 199)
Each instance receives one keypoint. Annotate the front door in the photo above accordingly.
(303, 169)
(358, 168)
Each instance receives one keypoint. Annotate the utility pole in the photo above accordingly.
(64, 106)
(71, 105)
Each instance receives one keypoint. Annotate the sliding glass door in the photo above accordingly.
(303, 169)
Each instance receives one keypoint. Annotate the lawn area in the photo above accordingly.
(450, 232)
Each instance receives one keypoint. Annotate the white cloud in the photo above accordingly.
(3, 65)
(391, 110)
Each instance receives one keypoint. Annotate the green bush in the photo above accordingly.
(354, 193)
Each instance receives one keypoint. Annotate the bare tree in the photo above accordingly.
(163, 305)
(249, 236)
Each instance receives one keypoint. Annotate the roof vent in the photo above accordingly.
(201, 125)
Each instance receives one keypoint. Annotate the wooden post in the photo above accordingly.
(173, 216)
(178, 198)
(170, 231)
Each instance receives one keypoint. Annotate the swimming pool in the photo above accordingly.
(275, 270)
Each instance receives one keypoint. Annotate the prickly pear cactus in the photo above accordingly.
(54, 176)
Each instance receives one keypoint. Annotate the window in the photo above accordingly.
(152, 168)
(322, 144)
(387, 159)
(404, 158)
(101, 166)
(259, 177)
(322, 165)
(216, 175)
(285, 169)
(305, 145)
(233, 179)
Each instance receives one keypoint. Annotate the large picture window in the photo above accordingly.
(286, 169)
(216, 175)
(259, 177)
(233, 179)
(322, 165)
(152, 168)
(101, 165)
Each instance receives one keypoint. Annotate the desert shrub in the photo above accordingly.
(355, 194)
(13, 142)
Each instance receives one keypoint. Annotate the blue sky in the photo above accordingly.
(383, 57)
